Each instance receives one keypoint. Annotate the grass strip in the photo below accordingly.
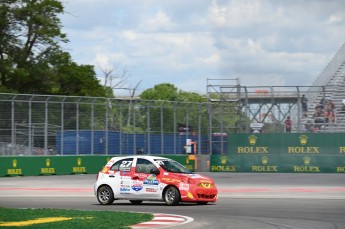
(59, 218)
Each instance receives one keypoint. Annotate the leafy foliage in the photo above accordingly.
(170, 92)
(188, 109)
(31, 57)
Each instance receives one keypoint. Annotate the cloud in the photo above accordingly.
(261, 42)
(159, 22)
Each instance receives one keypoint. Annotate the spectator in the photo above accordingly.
(304, 102)
(330, 112)
(318, 117)
(288, 125)
(321, 103)
(308, 123)
(309, 127)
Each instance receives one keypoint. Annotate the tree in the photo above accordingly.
(190, 109)
(7, 40)
(69, 78)
(31, 58)
(114, 78)
(164, 91)
(30, 34)
(181, 107)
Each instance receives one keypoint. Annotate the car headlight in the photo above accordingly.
(206, 185)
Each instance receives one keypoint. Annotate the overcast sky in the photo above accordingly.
(186, 42)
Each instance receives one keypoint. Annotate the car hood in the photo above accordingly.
(196, 177)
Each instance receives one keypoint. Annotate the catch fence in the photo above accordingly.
(72, 125)
(67, 125)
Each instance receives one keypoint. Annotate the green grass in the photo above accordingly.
(73, 218)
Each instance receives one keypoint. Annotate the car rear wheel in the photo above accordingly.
(105, 195)
(136, 201)
(171, 196)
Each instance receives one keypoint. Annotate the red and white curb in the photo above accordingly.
(163, 220)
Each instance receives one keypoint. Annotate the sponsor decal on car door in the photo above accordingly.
(120, 177)
(145, 184)
(125, 177)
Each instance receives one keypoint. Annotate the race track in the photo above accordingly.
(284, 201)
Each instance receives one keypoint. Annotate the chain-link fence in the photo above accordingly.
(61, 125)
(67, 125)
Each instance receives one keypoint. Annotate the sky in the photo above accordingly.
(191, 43)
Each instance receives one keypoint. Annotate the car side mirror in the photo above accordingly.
(154, 171)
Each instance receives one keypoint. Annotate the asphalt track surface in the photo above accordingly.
(279, 201)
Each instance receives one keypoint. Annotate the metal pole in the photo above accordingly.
(134, 132)
(222, 131)
(199, 129)
(62, 126)
(92, 126)
(298, 110)
(174, 131)
(247, 108)
(106, 128)
(210, 128)
(31, 137)
(148, 130)
(45, 151)
(13, 125)
(162, 131)
(77, 128)
(120, 126)
(187, 123)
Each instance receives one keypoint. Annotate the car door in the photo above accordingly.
(120, 177)
(145, 185)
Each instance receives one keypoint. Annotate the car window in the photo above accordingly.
(144, 166)
(172, 166)
(122, 165)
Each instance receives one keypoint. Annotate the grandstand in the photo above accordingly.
(272, 104)
(331, 85)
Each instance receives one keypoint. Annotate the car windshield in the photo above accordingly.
(172, 166)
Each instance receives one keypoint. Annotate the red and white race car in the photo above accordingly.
(151, 178)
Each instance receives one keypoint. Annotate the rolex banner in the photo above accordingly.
(50, 165)
(64, 165)
(282, 153)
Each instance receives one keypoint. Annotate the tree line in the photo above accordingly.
(32, 60)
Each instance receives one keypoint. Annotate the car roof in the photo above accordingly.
(140, 156)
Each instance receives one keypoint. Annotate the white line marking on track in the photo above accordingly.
(163, 220)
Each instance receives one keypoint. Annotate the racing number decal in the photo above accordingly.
(126, 165)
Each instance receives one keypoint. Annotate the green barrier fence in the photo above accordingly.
(283, 153)
(63, 165)
(262, 153)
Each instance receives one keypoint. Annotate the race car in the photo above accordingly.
(150, 178)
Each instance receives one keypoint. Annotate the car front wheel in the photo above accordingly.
(105, 195)
(172, 196)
